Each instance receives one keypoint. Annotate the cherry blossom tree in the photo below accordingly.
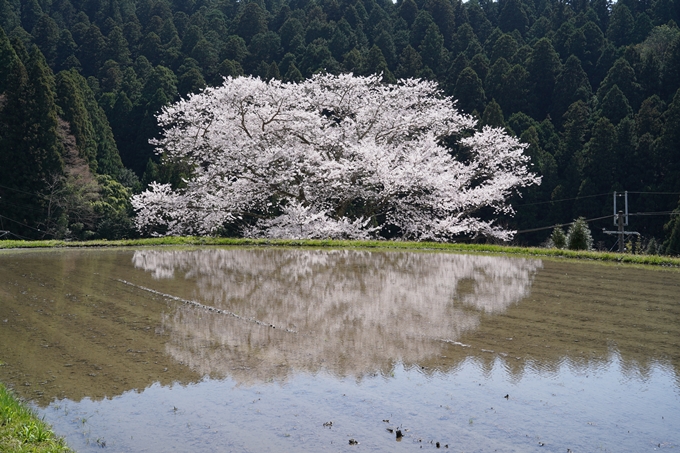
(332, 157)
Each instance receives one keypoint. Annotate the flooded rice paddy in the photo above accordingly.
(257, 350)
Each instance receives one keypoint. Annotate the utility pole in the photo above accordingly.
(621, 232)
(621, 220)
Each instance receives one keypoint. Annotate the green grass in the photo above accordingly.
(22, 431)
(654, 260)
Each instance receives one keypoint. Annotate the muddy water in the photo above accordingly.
(224, 349)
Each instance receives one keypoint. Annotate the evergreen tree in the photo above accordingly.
(469, 91)
(293, 74)
(514, 97)
(386, 44)
(46, 35)
(93, 48)
(579, 236)
(669, 147)
(478, 20)
(443, 15)
(421, 24)
(648, 118)
(191, 81)
(251, 21)
(631, 170)
(480, 64)
(30, 149)
(558, 239)
(410, 63)
(66, 52)
(595, 165)
(408, 10)
(376, 64)
(8, 62)
(273, 72)
(621, 25)
(9, 19)
(671, 245)
(461, 62)
(615, 105)
(71, 102)
(623, 76)
(576, 126)
(505, 47)
(543, 66)
(513, 17)
(493, 115)
(431, 48)
(494, 84)
(571, 85)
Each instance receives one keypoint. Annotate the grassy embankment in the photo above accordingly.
(485, 248)
(21, 431)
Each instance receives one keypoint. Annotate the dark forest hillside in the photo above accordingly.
(591, 86)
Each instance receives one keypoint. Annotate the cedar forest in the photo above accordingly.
(592, 87)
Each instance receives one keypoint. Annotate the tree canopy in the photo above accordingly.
(332, 157)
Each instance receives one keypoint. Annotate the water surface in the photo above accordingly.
(237, 349)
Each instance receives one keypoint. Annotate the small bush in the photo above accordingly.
(652, 247)
(558, 239)
(579, 237)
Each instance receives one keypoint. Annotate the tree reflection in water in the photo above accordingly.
(351, 312)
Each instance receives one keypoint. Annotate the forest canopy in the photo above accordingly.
(590, 86)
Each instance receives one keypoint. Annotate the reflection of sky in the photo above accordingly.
(352, 312)
(568, 407)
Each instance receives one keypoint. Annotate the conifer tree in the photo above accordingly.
(30, 148)
(571, 85)
(558, 239)
(410, 63)
(543, 66)
(579, 236)
(469, 91)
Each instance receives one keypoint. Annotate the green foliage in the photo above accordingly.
(493, 115)
(30, 147)
(469, 91)
(578, 236)
(672, 245)
(558, 239)
(652, 247)
(70, 100)
(22, 431)
(113, 209)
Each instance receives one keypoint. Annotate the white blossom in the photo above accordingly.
(333, 156)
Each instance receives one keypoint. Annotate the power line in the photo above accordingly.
(563, 199)
(19, 190)
(6, 232)
(656, 213)
(562, 224)
(27, 226)
(656, 193)
(593, 196)
(664, 213)
(22, 206)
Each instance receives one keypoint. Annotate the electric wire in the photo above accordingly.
(561, 225)
(19, 190)
(27, 226)
(664, 213)
(563, 199)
